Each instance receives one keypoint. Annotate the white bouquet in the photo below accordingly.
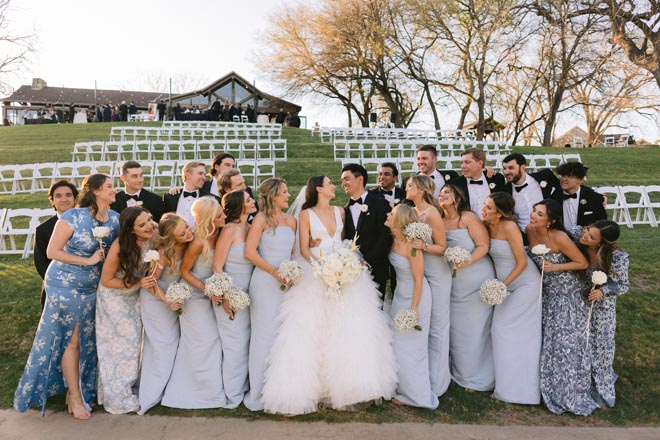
(151, 257)
(217, 284)
(540, 249)
(237, 299)
(338, 268)
(417, 230)
(291, 272)
(178, 293)
(457, 255)
(406, 321)
(100, 232)
(493, 292)
(598, 278)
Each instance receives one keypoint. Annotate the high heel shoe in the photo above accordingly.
(76, 407)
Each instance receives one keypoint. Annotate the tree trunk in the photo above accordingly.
(434, 110)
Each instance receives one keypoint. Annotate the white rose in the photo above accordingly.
(583, 202)
(100, 232)
(540, 249)
(364, 208)
(397, 201)
(447, 177)
(543, 183)
(130, 203)
(598, 278)
(151, 255)
(491, 186)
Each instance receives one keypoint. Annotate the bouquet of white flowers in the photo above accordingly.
(493, 292)
(178, 293)
(598, 278)
(151, 257)
(417, 230)
(237, 299)
(291, 272)
(217, 284)
(406, 321)
(338, 268)
(100, 232)
(457, 255)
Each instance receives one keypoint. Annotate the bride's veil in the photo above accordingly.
(294, 210)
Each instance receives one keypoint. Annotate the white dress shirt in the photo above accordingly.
(183, 208)
(571, 211)
(525, 200)
(438, 179)
(356, 209)
(477, 193)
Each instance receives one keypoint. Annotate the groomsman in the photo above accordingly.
(528, 189)
(134, 194)
(582, 205)
(427, 160)
(388, 177)
(476, 186)
(365, 219)
(62, 196)
(195, 185)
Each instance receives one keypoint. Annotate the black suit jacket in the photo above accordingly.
(374, 238)
(398, 193)
(172, 201)
(590, 207)
(551, 188)
(497, 180)
(150, 201)
(41, 261)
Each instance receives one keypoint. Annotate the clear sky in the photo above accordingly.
(119, 42)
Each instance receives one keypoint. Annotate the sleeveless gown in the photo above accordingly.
(470, 345)
(161, 341)
(275, 246)
(516, 330)
(196, 380)
(412, 349)
(235, 335)
(332, 351)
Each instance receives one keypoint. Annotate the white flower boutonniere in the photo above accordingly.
(139, 203)
(396, 201)
(583, 202)
(447, 177)
(543, 183)
(364, 208)
(491, 186)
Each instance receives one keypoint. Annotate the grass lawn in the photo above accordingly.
(638, 327)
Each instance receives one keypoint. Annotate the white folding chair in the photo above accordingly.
(164, 175)
(16, 235)
(636, 206)
(614, 202)
(572, 157)
(263, 170)
(6, 179)
(653, 198)
(279, 149)
(23, 178)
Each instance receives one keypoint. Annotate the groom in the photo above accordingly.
(365, 218)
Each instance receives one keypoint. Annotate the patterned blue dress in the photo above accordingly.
(565, 360)
(70, 298)
(603, 328)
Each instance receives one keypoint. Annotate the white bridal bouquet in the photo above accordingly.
(100, 232)
(417, 230)
(406, 321)
(493, 292)
(291, 272)
(237, 299)
(457, 255)
(217, 284)
(339, 268)
(178, 293)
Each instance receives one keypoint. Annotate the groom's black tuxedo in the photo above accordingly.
(548, 182)
(374, 237)
(150, 201)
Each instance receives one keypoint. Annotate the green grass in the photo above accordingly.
(638, 324)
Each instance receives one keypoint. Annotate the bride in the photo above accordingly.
(333, 351)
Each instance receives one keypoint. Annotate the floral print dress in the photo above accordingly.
(70, 298)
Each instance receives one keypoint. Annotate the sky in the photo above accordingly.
(119, 42)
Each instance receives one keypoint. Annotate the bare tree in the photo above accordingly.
(15, 50)
(160, 82)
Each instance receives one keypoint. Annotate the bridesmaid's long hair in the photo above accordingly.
(403, 216)
(204, 211)
(311, 195)
(130, 253)
(504, 204)
(609, 236)
(234, 205)
(554, 213)
(268, 190)
(427, 186)
(165, 241)
(90, 184)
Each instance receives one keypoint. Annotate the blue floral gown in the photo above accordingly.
(70, 298)
(603, 328)
(565, 360)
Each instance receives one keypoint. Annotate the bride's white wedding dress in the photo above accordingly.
(334, 351)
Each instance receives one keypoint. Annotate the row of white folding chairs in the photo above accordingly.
(633, 205)
(158, 174)
(275, 149)
(220, 124)
(330, 134)
(408, 148)
(535, 161)
(17, 227)
(157, 133)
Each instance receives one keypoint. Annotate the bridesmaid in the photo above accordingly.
(234, 327)
(412, 292)
(565, 362)
(516, 327)
(599, 244)
(196, 380)
(470, 345)
(118, 324)
(270, 241)
(420, 190)
(64, 349)
(159, 318)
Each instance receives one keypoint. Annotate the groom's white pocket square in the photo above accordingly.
(588, 212)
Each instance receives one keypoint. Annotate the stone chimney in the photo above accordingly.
(38, 84)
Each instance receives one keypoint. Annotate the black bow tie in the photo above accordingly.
(388, 192)
(132, 196)
(353, 202)
(568, 196)
(190, 194)
(432, 176)
(521, 187)
(476, 182)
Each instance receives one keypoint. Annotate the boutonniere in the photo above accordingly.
(543, 183)
(491, 186)
(396, 201)
(447, 177)
(364, 208)
(583, 202)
